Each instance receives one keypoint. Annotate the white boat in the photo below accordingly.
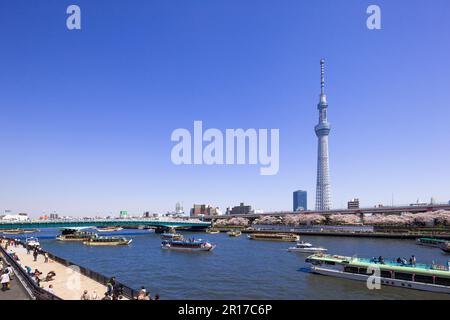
(425, 277)
(305, 247)
(32, 242)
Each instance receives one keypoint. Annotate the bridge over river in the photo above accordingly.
(79, 223)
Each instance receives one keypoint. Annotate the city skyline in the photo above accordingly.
(87, 117)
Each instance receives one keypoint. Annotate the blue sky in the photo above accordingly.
(86, 116)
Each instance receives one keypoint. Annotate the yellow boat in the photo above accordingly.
(107, 241)
(286, 237)
(235, 233)
(212, 231)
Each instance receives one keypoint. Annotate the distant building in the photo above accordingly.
(353, 204)
(300, 200)
(179, 209)
(204, 210)
(16, 217)
(241, 209)
(123, 214)
(54, 216)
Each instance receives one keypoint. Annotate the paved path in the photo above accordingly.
(68, 284)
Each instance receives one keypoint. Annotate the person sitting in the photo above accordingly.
(106, 297)
(50, 276)
(29, 270)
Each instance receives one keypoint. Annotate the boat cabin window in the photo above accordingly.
(386, 274)
(362, 270)
(442, 281)
(351, 269)
(403, 276)
(331, 263)
(423, 279)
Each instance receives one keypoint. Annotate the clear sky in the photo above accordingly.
(86, 115)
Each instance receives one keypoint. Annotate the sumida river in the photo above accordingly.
(239, 268)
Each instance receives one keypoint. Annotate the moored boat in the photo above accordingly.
(432, 242)
(108, 241)
(187, 245)
(212, 231)
(425, 277)
(12, 231)
(286, 237)
(234, 233)
(446, 248)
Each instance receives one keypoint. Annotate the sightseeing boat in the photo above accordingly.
(234, 233)
(286, 237)
(426, 277)
(305, 247)
(76, 236)
(432, 242)
(187, 245)
(108, 229)
(107, 241)
(212, 231)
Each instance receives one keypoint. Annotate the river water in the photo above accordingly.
(239, 268)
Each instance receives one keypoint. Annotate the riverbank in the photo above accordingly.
(345, 233)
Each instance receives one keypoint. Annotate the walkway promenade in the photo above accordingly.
(68, 283)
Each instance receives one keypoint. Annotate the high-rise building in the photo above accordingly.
(300, 200)
(179, 208)
(323, 193)
(353, 204)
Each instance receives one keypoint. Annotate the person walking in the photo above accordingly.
(46, 257)
(35, 254)
(110, 286)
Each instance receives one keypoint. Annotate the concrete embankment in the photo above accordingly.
(387, 235)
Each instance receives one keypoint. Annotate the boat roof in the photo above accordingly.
(391, 265)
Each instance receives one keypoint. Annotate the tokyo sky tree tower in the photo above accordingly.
(323, 196)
